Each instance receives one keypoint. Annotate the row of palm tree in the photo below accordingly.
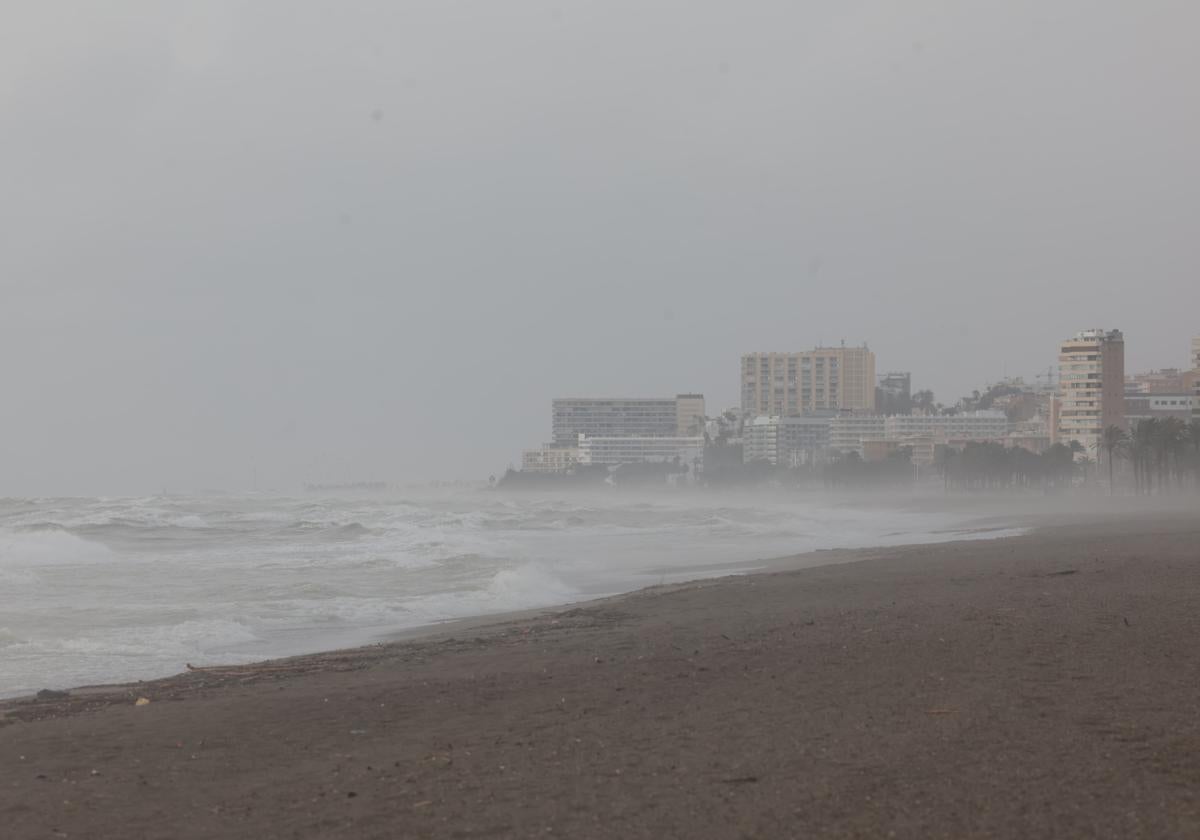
(992, 466)
(1162, 451)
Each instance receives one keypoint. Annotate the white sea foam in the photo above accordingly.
(118, 589)
(33, 549)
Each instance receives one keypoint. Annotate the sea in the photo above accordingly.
(101, 590)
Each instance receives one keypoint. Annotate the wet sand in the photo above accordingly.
(1046, 685)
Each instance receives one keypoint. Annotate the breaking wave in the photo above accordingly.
(117, 589)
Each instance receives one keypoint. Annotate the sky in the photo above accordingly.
(286, 241)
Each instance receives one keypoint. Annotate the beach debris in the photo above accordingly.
(423, 803)
(142, 701)
(740, 780)
(350, 794)
(940, 711)
(358, 732)
(52, 694)
(95, 772)
(1126, 620)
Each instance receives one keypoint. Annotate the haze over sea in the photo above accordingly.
(116, 589)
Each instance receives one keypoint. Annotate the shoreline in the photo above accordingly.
(263, 645)
(484, 622)
(977, 515)
(1020, 522)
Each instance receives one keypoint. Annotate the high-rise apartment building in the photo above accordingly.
(1091, 386)
(1196, 380)
(826, 378)
(626, 417)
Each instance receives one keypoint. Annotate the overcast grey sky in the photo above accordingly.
(371, 240)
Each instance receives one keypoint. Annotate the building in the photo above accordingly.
(1165, 381)
(550, 459)
(1139, 407)
(726, 426)
(966, 425)
(760, 440)
(1196, 378)
(1033, 440)
(823, 379)
(1091, 386)
(921, 449)
(893, 394)
(804, 440)
(689, 415)
(786, 441)
(613, 451)
(848, 431)
(626, 417)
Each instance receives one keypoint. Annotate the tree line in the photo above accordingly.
(1162, 453)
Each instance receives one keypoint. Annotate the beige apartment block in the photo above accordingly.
(1091, 387)
(823, 379)
(689, 415)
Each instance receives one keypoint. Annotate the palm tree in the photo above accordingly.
(1160, 442)
(1141, 448)
(1110, 439)
(1170, 444)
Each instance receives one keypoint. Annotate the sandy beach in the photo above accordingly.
(1043, 685)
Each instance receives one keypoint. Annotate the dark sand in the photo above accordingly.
(1038, 686)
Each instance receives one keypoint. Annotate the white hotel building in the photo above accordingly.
(970, 425)
(848, 432)
(612, 451)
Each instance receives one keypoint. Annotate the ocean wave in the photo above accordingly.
(31, 549)
(37, 527)
(159, 581)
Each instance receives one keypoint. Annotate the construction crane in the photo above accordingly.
(1047, 379)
